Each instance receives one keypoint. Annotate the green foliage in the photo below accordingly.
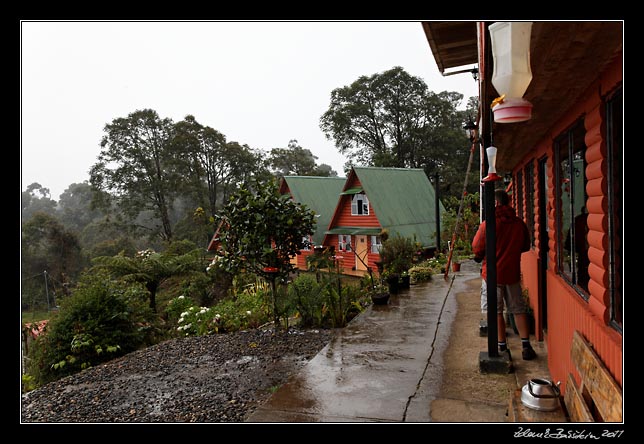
(342, 303)
(436, 264)
(152, 268)
(467, 224)
(391, 119)
(397, 254)
(48, 246)
(175, 307)
(36, 199)
(262, 230)
(420, 273)
(298, 161)
(308, 298)
(248, 309)
(136, 164)
(28, 383)
(101, 320)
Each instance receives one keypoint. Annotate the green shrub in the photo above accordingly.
(307, 298)
(397, 254)
(176, 307)
(420, 273)
(102, 319)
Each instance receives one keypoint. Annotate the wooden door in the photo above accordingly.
(361, 252)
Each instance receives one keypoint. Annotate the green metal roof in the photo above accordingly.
(319, 194)
(354, 230)
(353, 190)
(403, 200)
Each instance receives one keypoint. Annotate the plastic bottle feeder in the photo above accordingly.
(512, 110)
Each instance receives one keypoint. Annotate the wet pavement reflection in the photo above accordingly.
(385, 366)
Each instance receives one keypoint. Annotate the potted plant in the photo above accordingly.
(392, 280)
(405, 279)
(397, 256)
(379, 294)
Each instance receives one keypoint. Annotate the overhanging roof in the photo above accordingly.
(565, 59)
(355, 230)
(453, 44)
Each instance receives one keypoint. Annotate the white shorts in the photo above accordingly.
(509, 295)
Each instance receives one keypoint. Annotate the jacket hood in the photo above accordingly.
(505, 214)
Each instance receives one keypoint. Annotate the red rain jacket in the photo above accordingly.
(512, 239)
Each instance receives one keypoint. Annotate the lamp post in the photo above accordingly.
(471, 130)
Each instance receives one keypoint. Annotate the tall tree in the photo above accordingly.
(391, 119)
(36, 199)
(295, 160)
(212, 166)
(75, 207)
(136, 166)
(47, 246)
(201, 150)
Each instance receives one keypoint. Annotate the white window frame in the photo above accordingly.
(344, 242)
(360, 210)
(376, 244)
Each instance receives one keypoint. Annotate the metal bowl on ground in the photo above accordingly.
(540, 394)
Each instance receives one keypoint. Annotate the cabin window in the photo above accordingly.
(529, 199)
(376, 244)
(359, 205)
(307, 242)
(572, 245)
(615, 149)
(344, 242)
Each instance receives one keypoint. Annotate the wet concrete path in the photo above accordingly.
(385, 366)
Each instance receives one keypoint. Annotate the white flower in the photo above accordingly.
(181, 297)
(248, 312)
(184, 314)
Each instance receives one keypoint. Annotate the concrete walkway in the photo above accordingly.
(387, 364)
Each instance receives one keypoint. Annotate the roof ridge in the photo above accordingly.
(387, 168)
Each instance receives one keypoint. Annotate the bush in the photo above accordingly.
(101, 320)
(421, 273)
(306, 296)
(397, 254)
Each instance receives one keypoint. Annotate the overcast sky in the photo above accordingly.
(258, 83)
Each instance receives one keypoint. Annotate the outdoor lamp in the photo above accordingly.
(471, 129)
(491, 160)
(512, 73)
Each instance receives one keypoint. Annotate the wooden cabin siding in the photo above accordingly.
(567, 309)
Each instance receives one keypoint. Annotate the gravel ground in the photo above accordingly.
(218, 378)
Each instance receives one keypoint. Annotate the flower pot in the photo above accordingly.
(393, 283)
(405, 281)
(380, 298)
(456, 266)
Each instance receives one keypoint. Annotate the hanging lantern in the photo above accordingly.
(512, 72)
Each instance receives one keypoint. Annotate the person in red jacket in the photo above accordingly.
(512, 239)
